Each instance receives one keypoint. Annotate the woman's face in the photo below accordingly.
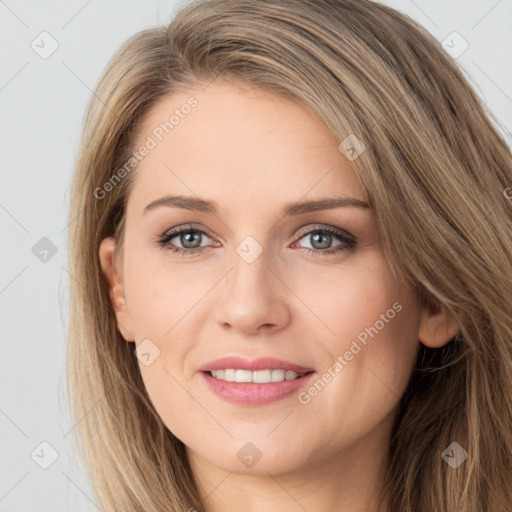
(259, 279)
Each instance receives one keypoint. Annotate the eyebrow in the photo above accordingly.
(291, 209)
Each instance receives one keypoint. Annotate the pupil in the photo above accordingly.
(327, 241)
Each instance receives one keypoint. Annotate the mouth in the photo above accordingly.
(257, 382)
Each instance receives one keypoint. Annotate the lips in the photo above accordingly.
(252, 391)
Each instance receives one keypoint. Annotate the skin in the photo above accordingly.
(253, 152)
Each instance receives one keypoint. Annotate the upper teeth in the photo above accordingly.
(259, 376)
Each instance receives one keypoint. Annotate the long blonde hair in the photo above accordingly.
(436, 172)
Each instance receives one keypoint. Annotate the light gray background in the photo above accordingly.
(42, 102)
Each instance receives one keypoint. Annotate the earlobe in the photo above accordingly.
(116, 287)
(437, 328)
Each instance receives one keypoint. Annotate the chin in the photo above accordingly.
(258, 457)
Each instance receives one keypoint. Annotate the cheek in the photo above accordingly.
(174, 403)
(369, 349)
(352, 300)
(377, 326)
(160, 296)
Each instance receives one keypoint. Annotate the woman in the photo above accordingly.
(292, 260)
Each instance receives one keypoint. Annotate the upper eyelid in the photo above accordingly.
(173, 232)
(331, 229)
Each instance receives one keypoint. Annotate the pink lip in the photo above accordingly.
(263, 363)
(246, 393)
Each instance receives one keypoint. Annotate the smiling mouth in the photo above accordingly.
(257, 376)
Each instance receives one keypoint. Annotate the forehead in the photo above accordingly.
(240, 144)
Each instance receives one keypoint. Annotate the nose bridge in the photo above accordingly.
(250, 272)
(251, 297)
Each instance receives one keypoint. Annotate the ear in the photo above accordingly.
(437, 327)
(115, 284)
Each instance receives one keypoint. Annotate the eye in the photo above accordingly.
(188, 236)
(321, 238)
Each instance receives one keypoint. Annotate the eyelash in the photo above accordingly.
(349, 243)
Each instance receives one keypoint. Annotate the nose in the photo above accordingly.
(252, 297)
